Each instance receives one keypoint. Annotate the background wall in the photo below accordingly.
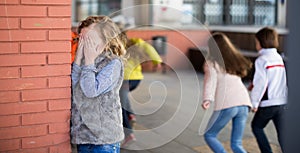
(178, 43)
(35, 76)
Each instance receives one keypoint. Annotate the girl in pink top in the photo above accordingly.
(223, 86)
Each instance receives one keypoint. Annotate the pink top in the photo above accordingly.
(223, 89)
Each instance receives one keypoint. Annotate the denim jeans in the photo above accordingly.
(218, 121)
(105, 148)
(261, 119)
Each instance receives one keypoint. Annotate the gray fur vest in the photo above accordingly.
(97, 120)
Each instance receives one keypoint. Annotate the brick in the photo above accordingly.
(9, 72)
(19, 84)
(42, 141)
(43, 23)
(47, 117)
(9, 96)
(55, 82)
(23, 59)
(60, 35)
(59, 128)
(53, 46)
(33, 150)
(60, 58)
(55, 11)
(23, 131)
(23, 84)
(61, 148)
(22, 11)
(9, 1)
(45, 94)
(8, 121)
(19, 108)
(40, 71)
(13, 144)
(9, 48)
(60, 104)
(51, 70)
(47, 2)
(9, 23)
(22, 35)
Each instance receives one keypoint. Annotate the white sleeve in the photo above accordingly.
(210, 82)
(260, 83)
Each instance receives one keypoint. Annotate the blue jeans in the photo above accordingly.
(218, 121)
(261, 119)
(105, 148)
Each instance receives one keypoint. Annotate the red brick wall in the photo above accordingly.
(35, 76)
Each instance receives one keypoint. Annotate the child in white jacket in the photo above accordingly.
(269, 91)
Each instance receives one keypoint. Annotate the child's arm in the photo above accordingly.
(260, 83)
(93, 84)
(75, 75)
(210, 84)
(76, 69)
(151, 52)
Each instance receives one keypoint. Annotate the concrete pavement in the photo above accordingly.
(169, 116)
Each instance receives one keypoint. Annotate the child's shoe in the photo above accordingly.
(128, 140)
(132, 120)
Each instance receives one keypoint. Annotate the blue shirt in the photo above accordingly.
(94, 83)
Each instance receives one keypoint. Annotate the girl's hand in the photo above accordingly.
(79, 52)
(206, 104)
(254, 110)
(93, 46)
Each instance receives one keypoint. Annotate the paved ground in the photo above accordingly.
(170, 118)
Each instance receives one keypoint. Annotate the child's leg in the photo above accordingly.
(259, 122)
(217, 122)
(277, 120)
(238, 126)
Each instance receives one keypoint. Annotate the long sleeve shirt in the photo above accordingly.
(223, 89)
(93, 85)
(269, 82)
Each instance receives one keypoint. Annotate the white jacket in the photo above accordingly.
(270, 84)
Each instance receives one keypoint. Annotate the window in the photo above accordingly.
(235, 12)
(85, 8)
(209, 12)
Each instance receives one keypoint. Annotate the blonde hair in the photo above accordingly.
(222, 51)
(108, 31)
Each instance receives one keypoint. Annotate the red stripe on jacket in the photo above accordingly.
(273, 66)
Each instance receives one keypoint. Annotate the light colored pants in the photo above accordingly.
(218, 121)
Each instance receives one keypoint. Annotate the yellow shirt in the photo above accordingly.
(133, 68)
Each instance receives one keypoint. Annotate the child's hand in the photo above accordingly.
(93, 47)
(254, 110)
(79, 52)
(206, 104)
(250, 87)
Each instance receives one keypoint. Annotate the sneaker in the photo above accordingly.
(128, 140)
(132, 120)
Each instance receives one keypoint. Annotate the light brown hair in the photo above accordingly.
(108, 31)
(223, 52)
(267, 37)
